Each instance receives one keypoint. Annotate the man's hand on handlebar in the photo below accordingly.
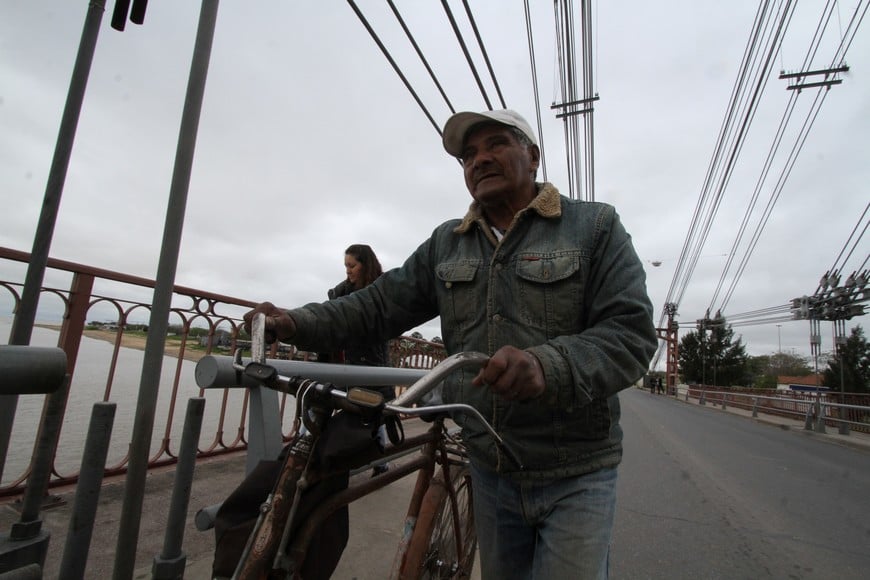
(513, 374)
(279, 325)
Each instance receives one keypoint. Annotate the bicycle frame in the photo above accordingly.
(432, 443)
(265, 554)
(270, 546)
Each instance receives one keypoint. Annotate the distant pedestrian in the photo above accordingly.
(660, 386)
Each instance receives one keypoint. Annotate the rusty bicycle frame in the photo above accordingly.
(278, 546)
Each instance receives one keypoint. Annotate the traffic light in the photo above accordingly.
(122, 7)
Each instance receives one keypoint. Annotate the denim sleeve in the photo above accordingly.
(618, 340)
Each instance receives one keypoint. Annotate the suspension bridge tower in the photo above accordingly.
(670, 335)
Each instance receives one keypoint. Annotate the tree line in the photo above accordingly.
(716, 358)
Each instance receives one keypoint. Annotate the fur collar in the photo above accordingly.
(547, 204)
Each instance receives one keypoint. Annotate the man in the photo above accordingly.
(553, 291)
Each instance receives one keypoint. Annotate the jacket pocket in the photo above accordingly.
(460, 292)
(550, 289)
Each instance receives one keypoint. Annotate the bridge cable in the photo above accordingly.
(483, 52)
(464, 47)
(681, 276)
(535, 87)
(392, 62)
(420, 54)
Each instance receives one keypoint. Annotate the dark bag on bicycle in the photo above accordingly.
(348, 440)
(237, 516)
(351, 441)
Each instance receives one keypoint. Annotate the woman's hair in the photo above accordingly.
(371, 267)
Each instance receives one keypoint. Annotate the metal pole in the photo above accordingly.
(25, 315)
(46, 446)
(840, 342)
(171, 562)
(131, 510)
(81, 524)
(779, 337)
(27, 542)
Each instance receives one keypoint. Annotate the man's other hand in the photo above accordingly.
(279, 324)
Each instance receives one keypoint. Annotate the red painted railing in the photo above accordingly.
(206, 322)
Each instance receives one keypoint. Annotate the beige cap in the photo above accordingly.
(457, 126)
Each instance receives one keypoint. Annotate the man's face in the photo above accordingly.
(497, 167)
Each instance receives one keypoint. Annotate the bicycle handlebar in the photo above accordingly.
(268, 375)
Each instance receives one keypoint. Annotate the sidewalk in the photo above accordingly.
(376, 524)
(855, 439)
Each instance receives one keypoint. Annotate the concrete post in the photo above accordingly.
(171, 562)
(84, 512)
(820, 418)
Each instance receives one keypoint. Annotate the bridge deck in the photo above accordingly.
(375, 521)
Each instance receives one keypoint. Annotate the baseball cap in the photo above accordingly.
(458, 125)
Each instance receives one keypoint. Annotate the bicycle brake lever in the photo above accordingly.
(431, 409)
(262, 372)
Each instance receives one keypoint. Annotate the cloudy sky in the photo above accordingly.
(309, 142)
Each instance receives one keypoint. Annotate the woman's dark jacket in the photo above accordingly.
(360, 352)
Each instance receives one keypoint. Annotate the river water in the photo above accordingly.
(88, 387)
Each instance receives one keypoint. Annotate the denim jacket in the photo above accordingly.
(564, 283)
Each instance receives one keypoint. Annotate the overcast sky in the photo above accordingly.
(308, 141)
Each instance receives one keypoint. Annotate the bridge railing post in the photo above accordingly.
(820, 418)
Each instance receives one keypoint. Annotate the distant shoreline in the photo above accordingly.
(130, 341)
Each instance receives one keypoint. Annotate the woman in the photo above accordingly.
(362, 268)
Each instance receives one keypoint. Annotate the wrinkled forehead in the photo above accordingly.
(495, 126)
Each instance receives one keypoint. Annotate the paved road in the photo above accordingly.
(706, 493)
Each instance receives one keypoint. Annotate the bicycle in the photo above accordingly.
(439, 540)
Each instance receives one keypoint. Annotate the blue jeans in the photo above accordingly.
(544, 530)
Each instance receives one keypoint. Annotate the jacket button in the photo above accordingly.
(496, 318)
(448, 284)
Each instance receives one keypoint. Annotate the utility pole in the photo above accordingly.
(833, 302)
(800, 79)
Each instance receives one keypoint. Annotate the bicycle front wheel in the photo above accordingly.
(444, 541)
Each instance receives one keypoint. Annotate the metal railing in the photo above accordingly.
(206, 322)
(818, 410)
